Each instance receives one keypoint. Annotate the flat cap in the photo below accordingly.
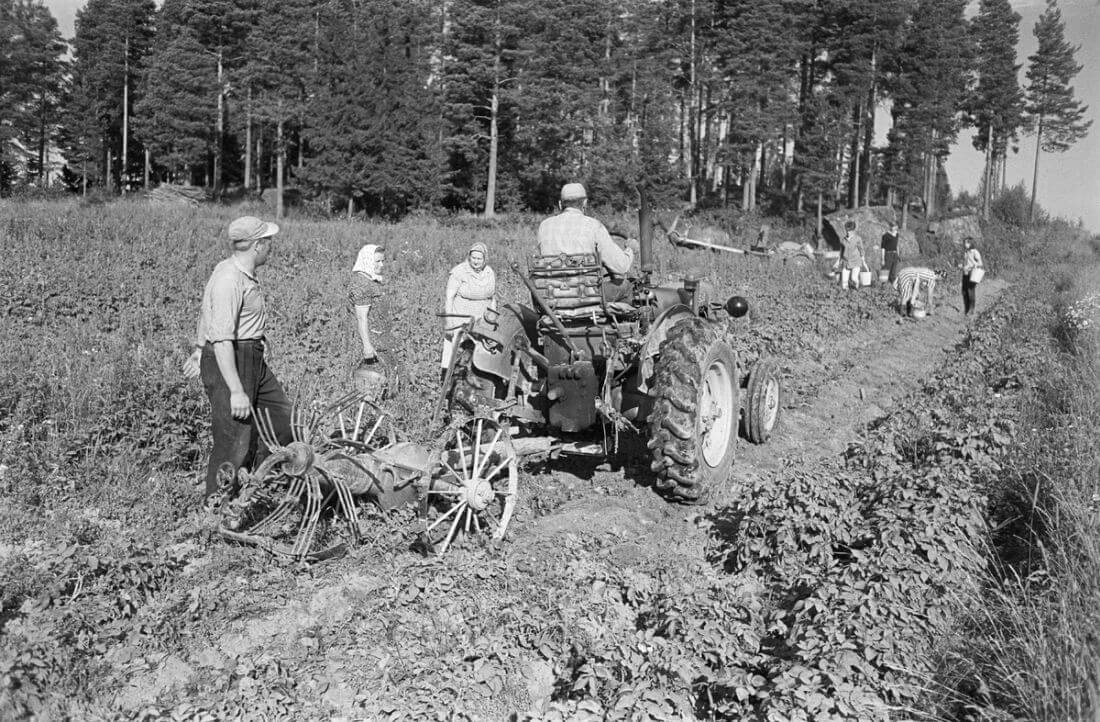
(573, 192)
(250, 228)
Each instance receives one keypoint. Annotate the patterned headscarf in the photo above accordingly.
(367, 261)
(481, 248)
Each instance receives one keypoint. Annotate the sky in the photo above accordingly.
(1069, 183)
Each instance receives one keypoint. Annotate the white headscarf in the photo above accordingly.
(367, 262)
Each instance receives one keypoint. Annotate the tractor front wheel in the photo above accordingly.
(693, 425)
(763, 401)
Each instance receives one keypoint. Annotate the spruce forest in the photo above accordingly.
(386, 106)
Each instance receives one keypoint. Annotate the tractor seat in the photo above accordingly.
(571, 285)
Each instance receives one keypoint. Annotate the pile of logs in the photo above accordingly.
(190, 195)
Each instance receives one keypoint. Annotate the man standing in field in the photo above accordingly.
(572, 232)
(229, 355)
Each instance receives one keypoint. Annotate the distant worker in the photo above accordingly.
(890, 259)
(229, 356)
(973, 272)
(854, 260)
(909, 283)
(471, 291)
(366, 293)
(572, 232)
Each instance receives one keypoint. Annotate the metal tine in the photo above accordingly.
(343, 494)
(358, 420)
(284, 508)
(374, 429)
(311, 532)
(265, 434)
(271, 430)
(303, 537)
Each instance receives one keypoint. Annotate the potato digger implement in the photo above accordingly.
(568, 375)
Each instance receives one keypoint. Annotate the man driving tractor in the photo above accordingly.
(572, 232)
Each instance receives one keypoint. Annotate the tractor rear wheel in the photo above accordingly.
(693, 425)
(763, 401)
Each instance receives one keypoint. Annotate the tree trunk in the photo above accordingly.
(351, 206)
(692, 112)
(905, 213)
(869, 131)
(853, 180)
(84, 178)
(1035, 173)
(109, 176)
(280, 161)
(146, 172)
(987, 177)
(494, 139)
(491, 183)
(820, 215)
(259, 160)
(248, 142)
(219, 130)
(125, 117)
(42, 145)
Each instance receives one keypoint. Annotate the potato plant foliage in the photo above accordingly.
(819, 591)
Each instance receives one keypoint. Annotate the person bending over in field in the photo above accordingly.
(572, 232)
(909, 283)
(471, 291)
(366, 293)
(229, 356)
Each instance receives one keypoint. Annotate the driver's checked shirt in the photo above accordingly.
(572, 232)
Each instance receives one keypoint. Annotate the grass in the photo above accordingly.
(1034, 644)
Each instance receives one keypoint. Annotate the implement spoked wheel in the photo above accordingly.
(473, 491)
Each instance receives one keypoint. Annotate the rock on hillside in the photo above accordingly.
(954, 230)
(871, 223)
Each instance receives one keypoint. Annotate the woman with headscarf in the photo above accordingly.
(365, 292)
(471, 290)
(854, 261)
(972, 261)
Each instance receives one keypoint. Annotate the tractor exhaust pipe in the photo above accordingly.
(645, 233)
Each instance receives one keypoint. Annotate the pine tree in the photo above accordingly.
(112, 40)
(30, 94)
(175, 117)
(280, 69)
(995, 106)
(929, 83)
(375, 135)
(860, 37)
(1056, 115)
(482, 86)
(758, 63)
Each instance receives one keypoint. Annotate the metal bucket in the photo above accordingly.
(865, 278)
(883, 275)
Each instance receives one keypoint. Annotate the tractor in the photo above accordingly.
(566, 375)
(574, 370)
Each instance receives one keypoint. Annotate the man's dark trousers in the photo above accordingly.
(891, 262)
(236, 442)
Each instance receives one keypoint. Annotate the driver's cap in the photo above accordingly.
(573, 192)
